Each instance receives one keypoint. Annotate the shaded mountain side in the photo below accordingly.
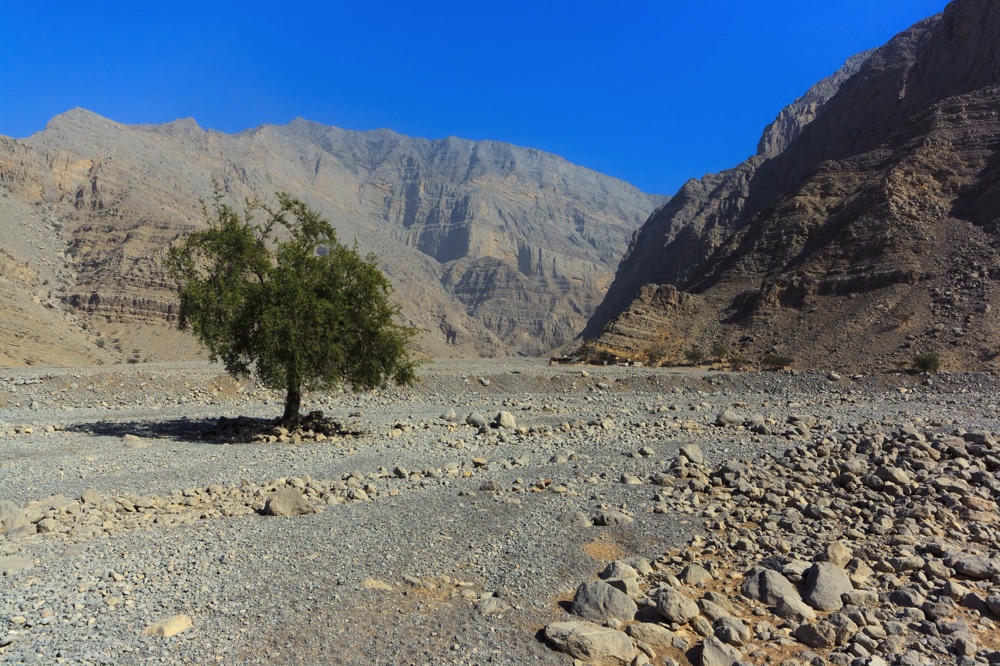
(493, 249)
(870, 236)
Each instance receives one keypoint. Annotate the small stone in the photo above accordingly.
(819, 636)
(505, 420)
(375, 584)
(693, 453)
(170, 626)
(476, 420)
(610, 517)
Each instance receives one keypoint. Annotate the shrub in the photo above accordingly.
(776, 361)
(719, 351)
(926, 362)
(655, 354)
(738, 362)
(694, 355)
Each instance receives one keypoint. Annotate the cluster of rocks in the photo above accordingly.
(94, 513)
(863, 546)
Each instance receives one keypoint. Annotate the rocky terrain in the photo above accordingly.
(863, 231)
(501, 512)
(493, 249)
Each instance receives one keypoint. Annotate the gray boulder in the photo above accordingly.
(591, 643)
(675, 607)
(825, 583)
(599, 601)
(716, 653)
(476, 420)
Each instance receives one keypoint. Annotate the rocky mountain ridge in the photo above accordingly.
(493, 249)
(865, 236)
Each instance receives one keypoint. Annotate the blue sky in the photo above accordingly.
(651, 91)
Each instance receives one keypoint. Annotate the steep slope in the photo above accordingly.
(494, 249)
(868, 235)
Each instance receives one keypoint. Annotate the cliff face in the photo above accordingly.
(493, 249)
(862, 235)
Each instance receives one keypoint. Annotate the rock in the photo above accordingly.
(375, 584)
(91, 496)
(716, 653)
(591, 643)
(820, 636)
(977, 566)
(491, 606)
(576, 518)
(693, 574)
(288, 502)
(675, 607)
(770, 587)
(993, 603)
(599, 601)
(609, 517)
(732, 630)
(728, 418)
(11, 565)
(654, 634)
(170, 626)
(693, 453)
(619, 569)
(825, 583)
(134, 442)
(505, 420)
(476, 420)
(838, 554)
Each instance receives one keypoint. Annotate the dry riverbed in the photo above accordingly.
(135, 510)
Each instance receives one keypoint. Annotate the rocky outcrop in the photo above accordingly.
(841, 240)
(493, 249)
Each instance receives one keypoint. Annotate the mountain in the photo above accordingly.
(493, 249)
(863, 231)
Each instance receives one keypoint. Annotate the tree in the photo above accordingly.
(285, 301)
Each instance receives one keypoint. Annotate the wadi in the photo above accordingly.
(751, 423)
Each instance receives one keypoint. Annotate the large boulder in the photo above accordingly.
(825, 583)
(675, 607)
(599, 601)
(594, 644)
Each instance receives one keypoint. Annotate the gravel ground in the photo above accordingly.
(433, 568)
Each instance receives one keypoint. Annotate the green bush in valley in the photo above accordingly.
(720, 352)
(738, 362)
(694, 355)
(776, 361)
(927, 362)
(286, 301)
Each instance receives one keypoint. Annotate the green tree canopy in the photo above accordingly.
(287, 302)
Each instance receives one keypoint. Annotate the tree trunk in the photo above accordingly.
(293, 401)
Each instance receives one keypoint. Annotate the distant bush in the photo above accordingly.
(101, 343)
(694, 355)
(132, 360)
(719, 351)
(776, 361)
(655, 354)
(738, 362)
(926, 362)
